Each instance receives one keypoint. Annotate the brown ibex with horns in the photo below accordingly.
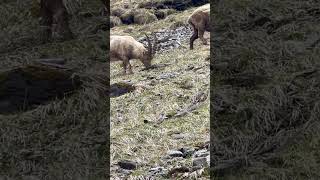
(125, 48)
(200, 22)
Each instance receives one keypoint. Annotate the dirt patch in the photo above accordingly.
(121, 88)
(25, 88)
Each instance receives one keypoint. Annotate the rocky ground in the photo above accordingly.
(170, 39)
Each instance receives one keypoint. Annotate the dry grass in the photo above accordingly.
(134, 139)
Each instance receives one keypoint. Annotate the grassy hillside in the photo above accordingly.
(143, 123)
(62, 139)
(265, 90)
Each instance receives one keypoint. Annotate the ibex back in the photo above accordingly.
(125, 48)
(200, 22)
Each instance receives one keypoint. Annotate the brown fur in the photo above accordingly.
(200, 22)
(125, 48)
(54, 12)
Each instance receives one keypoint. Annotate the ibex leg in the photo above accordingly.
(193, 37)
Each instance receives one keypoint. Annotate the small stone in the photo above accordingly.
(179, 136)
(126, 164)
(174, 153)
(201, 153)
(187, 152)
(158, 170)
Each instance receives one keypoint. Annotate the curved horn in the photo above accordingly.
(149, 46)
(155, 41)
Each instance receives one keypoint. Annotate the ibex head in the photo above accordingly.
(151, 50)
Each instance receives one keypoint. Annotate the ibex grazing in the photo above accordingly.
(200, 22)
(125, 48)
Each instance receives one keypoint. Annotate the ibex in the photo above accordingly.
(200, 22)
(125, 48)
(54, 12)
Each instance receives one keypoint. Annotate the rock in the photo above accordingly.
(121, 88)
(167, 76)
(127, 164)
(174, 153)
(157, 171)
(178, 170)
(115, 21)
(201, 161)
(201, 153)
(170, 39)
(179, 136)
(187, 152)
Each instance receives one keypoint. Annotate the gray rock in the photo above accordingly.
(201, 153)
(180, 34)
(167, 76)
(187, 152)
(174, 153)
(201, 161)
(157, 171)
